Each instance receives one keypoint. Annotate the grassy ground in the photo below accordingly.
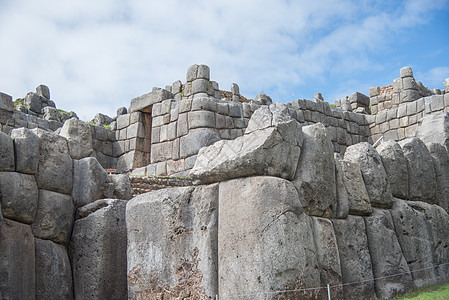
(440, 291)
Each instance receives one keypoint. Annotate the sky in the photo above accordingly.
(95, 56)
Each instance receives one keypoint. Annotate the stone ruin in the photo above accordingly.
(198, 193)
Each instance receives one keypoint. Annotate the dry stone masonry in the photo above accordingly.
(195, 192)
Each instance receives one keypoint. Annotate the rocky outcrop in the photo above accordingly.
(271, 146)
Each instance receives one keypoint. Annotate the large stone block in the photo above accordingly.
(358, 198)
(395, 165)
(79, 138)
(55, 163)
(17, 261)
(421, 173)
(414, 225)
(265, 240)
(342, 208)
(143, 103)
(33, 102)
(172, 243)
(441, 165)
(201, 118)
(122, 186)
(265, 149)
(6, 102)
(355, 258)
(6, 152)
(98, 251)
(386, 256)
(18, 196)
(26, 148)
(54, 217)
(53, 271)
(328, 257)
(196, 139)
(88, 181)
(434, 129)
(315, 172)
(374, 174)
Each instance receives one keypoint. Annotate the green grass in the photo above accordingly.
(440, 291)
(18, 102)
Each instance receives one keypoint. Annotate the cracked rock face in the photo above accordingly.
(270, 146)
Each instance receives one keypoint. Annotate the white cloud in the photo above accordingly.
(96, 55)
(434, 77)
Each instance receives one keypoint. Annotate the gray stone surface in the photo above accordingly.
(33, 102)
(144, 102)
(434, 129)
(342, 208)
(79, 138)
(328, 257)
(421, 173)
(263, 99)
(6, 153)
(55, 163)
(395, 165)
(406, 72)
(18, 196)
(355, 258)
(53, 271)
(172, 243)
(386, 256)
(315, 172)
(122, 186)
(265, 240)
(441, 166)
(50, 113)
(412, 230)
(270, 146)
(55, 215)
(88, 181)
(44, 91)
(17, 261)
(26, 149)
(358, 198)
(196, 139)
(6, 102)
(374, 174)
(98, 253)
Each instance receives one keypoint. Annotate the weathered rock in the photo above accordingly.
(355, 259)
(265, 240)
(6, 152)
(122, 186)
(33, 102)
(88, 181)
(342, 208)
(386, 256)
(17, 261)
(441, 166)
(263, 99)
(374, 174)
(6, 102)
(50, 113)
(101, 119)
(44, 91)
(122, 111)
(18, 196)
(415, 238)
(328, 257)
(191, 143)
(315, 172)
(53, 271)
(55, 163)
(421, 173)
(54, 217)
(26, 148)
(270, 146)
(98, 251)
(434, 129)
(395, 165)
(79, 138)
(358, 198)
(143, 103)
(172, 243)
